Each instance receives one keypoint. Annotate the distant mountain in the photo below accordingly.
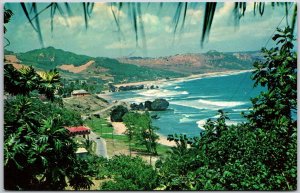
(50, 57)
(103, 70)
(74, 66)
(210, 61)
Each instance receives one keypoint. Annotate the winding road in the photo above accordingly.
(101, 145)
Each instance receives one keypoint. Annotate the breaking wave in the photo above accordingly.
(222, 103)
(202, 122)
(162, 93)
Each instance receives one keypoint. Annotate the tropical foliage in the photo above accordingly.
(130, 173)
(141, 131)
(38, 151)
(260, 154)
(27, 80)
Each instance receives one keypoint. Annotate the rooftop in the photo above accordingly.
(79, 129)
(81, 150)
(79, 92)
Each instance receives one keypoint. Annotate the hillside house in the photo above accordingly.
(82, 152)
(78, 93)
(79, 130)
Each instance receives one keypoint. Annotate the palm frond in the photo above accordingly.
(294, 18)
(176, 17)
(27, 15)
(69, 11)
(239, 11)
(134, 20)
(184, 15)
(7, 15)
(210, 8)
(135, 14)
(115, 17)
(141, 23)
(37, 24)
(85, 13)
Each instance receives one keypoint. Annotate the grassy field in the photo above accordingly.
(119, 144)
(100, 126)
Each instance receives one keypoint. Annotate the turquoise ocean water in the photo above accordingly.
(193, 102)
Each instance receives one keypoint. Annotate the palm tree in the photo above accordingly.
(49, 83)
(21, 81)
(26, 80)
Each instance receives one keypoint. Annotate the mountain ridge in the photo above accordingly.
(127, 69)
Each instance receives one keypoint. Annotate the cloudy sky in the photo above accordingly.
(103, 39)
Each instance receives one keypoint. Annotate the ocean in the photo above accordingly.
(192, 102)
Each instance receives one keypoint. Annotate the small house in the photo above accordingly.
(81, 152)
(80, 130)
(79, 93)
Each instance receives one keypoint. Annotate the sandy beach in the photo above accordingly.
(182, 79)
(120, 128)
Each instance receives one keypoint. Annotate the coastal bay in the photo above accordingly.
(194, 99)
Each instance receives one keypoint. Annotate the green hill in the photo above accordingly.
(123, 72)
(50, 57)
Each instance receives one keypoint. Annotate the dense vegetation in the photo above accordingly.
(132, 73)
(39, 154)
(49, 58)
(130, 173)
(140, 131)
(259, 154)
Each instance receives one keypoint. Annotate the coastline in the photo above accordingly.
(184, 79)
(120, 128)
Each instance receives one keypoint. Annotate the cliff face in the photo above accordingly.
(198, 63)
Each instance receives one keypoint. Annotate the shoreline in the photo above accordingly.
(120, 128)
(184, 79)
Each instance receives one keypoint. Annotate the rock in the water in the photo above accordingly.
(137, 107)
(141, 107)
(133, 87)
(159, 105)
(118, 113)
(148, 105)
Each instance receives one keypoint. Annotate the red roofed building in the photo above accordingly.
(79, 130)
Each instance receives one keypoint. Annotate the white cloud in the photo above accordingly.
(119, 45)
(150, 19)
(195, 16)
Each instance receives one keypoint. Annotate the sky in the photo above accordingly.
(103, 39)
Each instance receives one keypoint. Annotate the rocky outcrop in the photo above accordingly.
(137, 107)
(159, 105)
(148, 105)
(134, 87)
(118, 113)
(112, 88)
(156, 105)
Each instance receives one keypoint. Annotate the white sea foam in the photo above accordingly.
(162, 93)
(210, 76)
(136, 99)
(177, 87)
(184, 92)
(185, 120)
(194, 104)
(222, 103)
(206, 104)
(238, 110)
(202, 122)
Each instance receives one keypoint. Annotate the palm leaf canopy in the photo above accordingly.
(135, 10)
